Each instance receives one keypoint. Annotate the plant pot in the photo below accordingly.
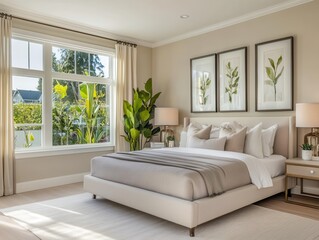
(171, 144)
(306, 154)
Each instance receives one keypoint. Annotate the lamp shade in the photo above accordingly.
(307, 115)
(166, 116)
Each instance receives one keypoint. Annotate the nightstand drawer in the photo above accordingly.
(311, 172)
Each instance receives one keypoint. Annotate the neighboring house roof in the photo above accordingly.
(29, 95)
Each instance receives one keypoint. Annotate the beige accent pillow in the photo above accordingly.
(236, 141)
(203, 133)
(229, 128)
(214, 132)
(253, 143)
(214, 143)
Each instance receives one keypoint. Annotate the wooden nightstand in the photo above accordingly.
(299, 168)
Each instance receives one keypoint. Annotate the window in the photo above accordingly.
(61, 95)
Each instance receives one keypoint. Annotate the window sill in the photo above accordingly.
(62, 151)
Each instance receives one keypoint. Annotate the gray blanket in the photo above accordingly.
(213, 171)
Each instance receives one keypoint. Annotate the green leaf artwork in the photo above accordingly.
(203, 87)
(273, 74)
(232, 80)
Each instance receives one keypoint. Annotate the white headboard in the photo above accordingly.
(285, 141)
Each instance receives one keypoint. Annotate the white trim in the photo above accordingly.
(49, 182)
(103, 33)
(47, 75)
(312, 190)
(230, 22)
(63, 150)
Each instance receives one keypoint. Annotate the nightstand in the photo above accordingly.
(302, 169)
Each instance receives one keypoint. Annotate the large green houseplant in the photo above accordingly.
(138, 127)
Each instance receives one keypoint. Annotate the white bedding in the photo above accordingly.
(275, 165)
(259, 173)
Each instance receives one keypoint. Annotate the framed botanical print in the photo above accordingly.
(274, 75)
(232, 90)
(203, 84)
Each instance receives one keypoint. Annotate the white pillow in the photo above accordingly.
(214, 132)
(268, 139)
(253, 142)
(229, 128)
(193, 128)
(183, 139)
(214, 143)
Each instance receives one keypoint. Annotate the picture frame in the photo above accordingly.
(274, 75)
(232, 81)
(203, 84)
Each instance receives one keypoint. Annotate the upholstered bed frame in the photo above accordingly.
(193, 213)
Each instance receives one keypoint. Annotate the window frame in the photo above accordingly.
(47, 75)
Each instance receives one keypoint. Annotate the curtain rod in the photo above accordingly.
(68, 29)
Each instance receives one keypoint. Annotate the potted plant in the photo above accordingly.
(138, 117)
(170, 141)
(306, 153)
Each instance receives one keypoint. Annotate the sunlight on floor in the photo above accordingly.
(61, 209)
(50, 228)
(9, 225)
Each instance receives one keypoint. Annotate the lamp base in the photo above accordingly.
(164, 134)
(313, 139)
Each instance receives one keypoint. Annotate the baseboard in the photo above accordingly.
(49, 182)
(312, 190)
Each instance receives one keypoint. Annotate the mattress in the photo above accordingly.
(173, 181)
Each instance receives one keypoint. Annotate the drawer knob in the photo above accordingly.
(312, 171)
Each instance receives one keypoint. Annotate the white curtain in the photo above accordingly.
(6, 121)
(126, 57)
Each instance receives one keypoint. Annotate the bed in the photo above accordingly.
(191, 212)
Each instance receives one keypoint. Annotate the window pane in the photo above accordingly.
(36, 56)
(27, 100)
(99, 65)
(20, 54)
(62, 60)
(82, 63)
(27, 136)
(79, 116)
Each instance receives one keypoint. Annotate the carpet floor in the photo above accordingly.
(82, 218)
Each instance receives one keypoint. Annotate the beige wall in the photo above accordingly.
(144, 65)
(171, 63)
(169, 67)
(37, 168)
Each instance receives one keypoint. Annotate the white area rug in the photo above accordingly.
(82, 218)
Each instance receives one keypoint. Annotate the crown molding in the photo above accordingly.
(96, 31)
(224, 24)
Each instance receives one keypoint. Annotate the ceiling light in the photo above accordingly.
(184, 16)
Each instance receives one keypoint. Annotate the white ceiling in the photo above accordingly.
(146, 22)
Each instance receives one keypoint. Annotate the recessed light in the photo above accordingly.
(184, 16)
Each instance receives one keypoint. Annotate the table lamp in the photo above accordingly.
(307, 116)
(166, 117)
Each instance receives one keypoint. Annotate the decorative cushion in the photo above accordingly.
(203, 133)
(253, 143)
(268, 139)
(229, 128)
(236, 141)
(214, 143)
